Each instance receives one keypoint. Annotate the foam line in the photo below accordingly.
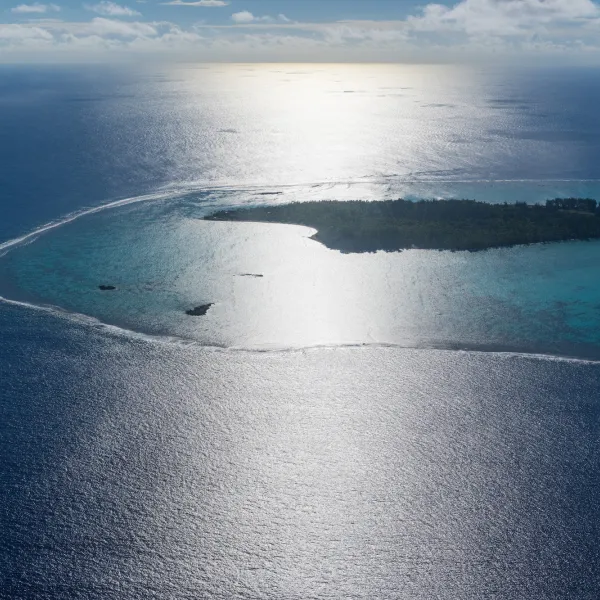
(118, 331)
(77, 215)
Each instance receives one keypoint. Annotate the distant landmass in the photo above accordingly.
(392, 225)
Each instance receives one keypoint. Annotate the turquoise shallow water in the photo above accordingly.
(273, 287)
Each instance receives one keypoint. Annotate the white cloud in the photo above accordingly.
(245, 17)
(205, 3)
(111, 9)
(503, 17)
(18, 33)
(516, 30)
(113, 28)
(35, 8)
(368, 32)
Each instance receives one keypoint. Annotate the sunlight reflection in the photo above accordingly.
(315, 122)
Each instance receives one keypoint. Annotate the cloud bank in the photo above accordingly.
(469, 30)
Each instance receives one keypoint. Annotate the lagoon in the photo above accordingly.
(165, 260)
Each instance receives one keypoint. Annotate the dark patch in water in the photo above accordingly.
(440, 105)
(198, 311)
(545, 135)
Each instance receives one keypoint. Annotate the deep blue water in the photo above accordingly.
(136, 467)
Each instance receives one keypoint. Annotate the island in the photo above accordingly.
(394, 225)
(106, 288)
(198, 311)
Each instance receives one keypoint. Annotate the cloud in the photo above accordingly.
(245, 17)
(205, 3)
(35, 8)
(14, 32)
(112, 28)
(467, 30)
(111, 9)
(504, 17)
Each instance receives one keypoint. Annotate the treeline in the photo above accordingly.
(581, 204)
(359, 226)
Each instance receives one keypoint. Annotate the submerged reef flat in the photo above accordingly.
(393, 225)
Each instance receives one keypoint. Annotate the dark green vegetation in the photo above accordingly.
(392, 225)
(198, 311)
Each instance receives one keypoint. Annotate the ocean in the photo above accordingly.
(406, 425)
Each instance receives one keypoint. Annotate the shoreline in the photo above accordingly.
(457, 225)
(586, 354)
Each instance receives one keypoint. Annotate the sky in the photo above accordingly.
(518, 31)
